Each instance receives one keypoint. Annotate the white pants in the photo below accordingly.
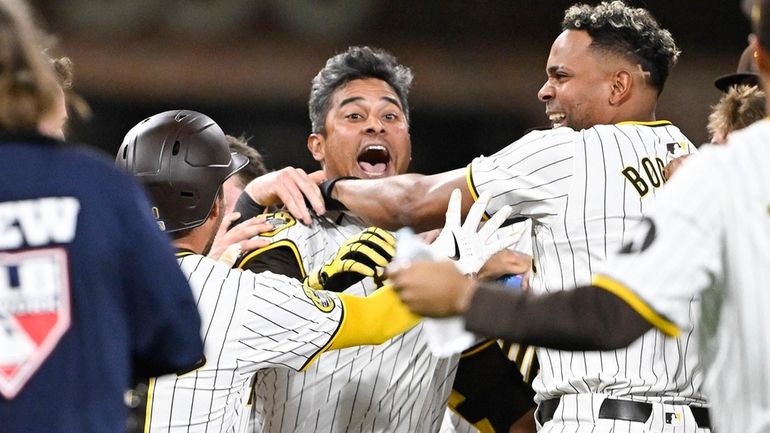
(579, 413)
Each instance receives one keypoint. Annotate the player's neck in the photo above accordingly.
(184, 244)
(641, 109)
(197, 240)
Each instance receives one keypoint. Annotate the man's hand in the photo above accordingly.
(432, 289)
(363, 255)
(506, 262)
(228, 244)
(290, 186)
(673, 166)
(466, 243)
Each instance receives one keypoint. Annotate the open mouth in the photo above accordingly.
(557, 119)
(374, 160)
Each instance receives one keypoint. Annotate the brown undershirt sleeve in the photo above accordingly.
(587, 318)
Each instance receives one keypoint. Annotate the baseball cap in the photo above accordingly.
(746, 73)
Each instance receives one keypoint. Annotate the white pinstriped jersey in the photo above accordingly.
(249, 322)
(584, 190)
(716, 213)
(398, 386)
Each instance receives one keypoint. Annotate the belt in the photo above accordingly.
(621, 409)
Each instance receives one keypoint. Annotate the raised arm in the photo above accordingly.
(414, 200)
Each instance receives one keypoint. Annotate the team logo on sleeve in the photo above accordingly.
(324, 301)
(34, 312)
(677, 149)
(280, 221)
(644, 235)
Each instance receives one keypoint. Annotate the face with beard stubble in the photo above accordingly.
(366, 133)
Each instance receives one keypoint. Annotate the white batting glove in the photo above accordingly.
(468, 245)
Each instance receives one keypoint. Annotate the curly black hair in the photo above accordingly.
(627, 31)
(356, 63)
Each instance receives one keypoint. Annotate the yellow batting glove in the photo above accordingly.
(363, 255)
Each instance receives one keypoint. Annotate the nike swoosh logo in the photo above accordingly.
(456, 256)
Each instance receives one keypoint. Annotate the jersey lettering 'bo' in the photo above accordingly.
(397, 386)
(584, 191)
(249, 322)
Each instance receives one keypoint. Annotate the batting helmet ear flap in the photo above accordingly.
(182, 158)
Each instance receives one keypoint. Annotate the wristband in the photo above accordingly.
(327, 187)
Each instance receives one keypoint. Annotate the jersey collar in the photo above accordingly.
(652, 123)
(182, 252)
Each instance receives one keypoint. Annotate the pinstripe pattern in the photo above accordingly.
(398, 386)
(716, 213)
(572, 185)
(249, 322)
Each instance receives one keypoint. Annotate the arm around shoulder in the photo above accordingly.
(413, 200)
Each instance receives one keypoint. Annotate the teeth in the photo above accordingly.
(557, 117)
(377, 147)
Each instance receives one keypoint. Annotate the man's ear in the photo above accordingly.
(219, 206)
(315, 144)
(622, 81)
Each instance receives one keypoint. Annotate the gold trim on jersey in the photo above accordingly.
(650, 123)
(372, 320)
(148, 406)
(478, 348)
(635, 302)
(181, 254)
(277, 244)
(472, 188)
(455, 398)
(483, 425)
(328, 344)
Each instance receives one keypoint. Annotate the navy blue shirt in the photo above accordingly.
(90, 292)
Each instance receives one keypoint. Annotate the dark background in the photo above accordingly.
(248, 64)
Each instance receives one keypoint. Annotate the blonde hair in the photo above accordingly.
(65, 73)
(741, 106)
(28, 85)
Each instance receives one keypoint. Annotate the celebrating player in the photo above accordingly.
(360, 127)
(250, 321)
(716, 213)
(89, 292)
(584, 184)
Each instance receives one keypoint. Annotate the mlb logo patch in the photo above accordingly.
(673, 418)
(34, 312)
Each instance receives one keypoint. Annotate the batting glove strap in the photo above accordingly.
(327, 187)
(363, 255)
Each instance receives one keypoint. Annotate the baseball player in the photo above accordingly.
(89, 292)
(716, 212)
(359, 113)
(584, 184)
(700, 215)
(250, 321)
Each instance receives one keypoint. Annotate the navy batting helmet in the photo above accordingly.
(182, 158)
